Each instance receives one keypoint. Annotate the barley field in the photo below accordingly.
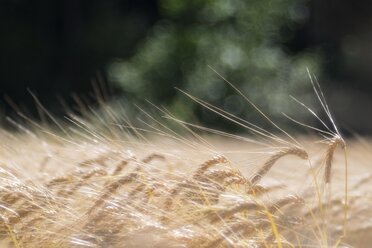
(100, 184)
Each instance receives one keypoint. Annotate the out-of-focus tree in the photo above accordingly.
(57, 47)
(241, 40)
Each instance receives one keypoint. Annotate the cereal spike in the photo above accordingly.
(209, 163)
(82, 181)
(301, 153)
(120, 167)
(332, 145)
(112, 188)
(151, 157)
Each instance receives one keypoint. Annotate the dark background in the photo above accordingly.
(58, 48)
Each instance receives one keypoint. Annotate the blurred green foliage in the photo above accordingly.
(241, 40)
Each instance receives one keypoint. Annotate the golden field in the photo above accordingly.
(100, 189)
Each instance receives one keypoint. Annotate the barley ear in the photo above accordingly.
(299, 152)
(332, 145)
